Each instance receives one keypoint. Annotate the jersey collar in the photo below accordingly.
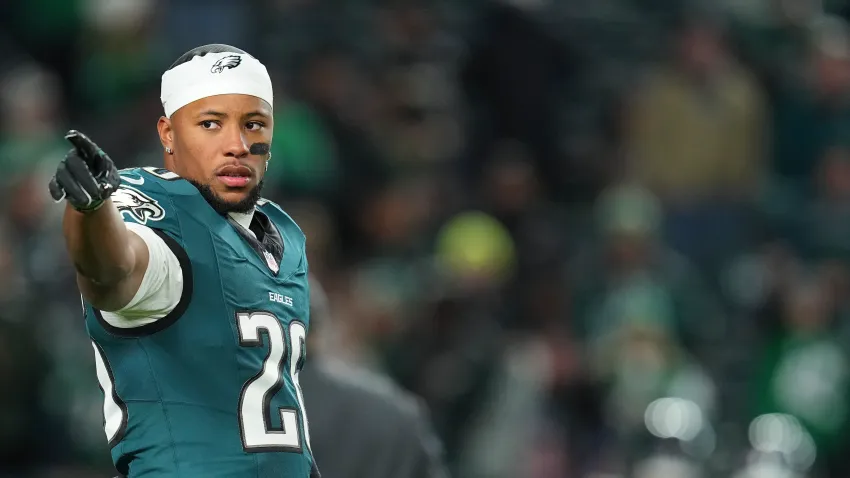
(270, 247)
(243, 219)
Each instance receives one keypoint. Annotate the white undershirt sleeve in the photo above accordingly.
(160, 290)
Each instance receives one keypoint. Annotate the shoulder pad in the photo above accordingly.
(281, 219)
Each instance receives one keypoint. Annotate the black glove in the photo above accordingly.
(86, 177)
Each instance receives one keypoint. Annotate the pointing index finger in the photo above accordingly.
(83, 144)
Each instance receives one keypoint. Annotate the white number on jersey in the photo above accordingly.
(114, 410)
(254, 412)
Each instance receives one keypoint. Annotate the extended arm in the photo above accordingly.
(109, 259)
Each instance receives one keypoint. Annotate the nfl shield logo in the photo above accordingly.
(270, 261)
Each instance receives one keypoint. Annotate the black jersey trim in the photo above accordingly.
(171, 318)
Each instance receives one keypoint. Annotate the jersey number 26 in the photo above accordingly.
(254, 413)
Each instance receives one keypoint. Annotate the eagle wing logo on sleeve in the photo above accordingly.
(137, 205)
(229, 61)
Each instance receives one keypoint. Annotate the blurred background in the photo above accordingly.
(599, 239)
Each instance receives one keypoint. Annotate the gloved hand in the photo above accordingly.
(86, 177)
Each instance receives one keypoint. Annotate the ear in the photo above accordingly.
(166, 133)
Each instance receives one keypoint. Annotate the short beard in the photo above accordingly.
(223, 207)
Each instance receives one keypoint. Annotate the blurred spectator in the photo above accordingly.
(627, 254)
(696, 136)
(697, 124)
(637, 307)
(387, 434)
(805, 369)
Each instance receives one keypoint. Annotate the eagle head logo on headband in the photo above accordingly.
(231, 61)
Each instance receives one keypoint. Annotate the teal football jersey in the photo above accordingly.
(211, 389)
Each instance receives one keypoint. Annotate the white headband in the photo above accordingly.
(214, 74)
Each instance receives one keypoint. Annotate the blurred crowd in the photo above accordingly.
(597, 238)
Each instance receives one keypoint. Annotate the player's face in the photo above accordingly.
(211, 138)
